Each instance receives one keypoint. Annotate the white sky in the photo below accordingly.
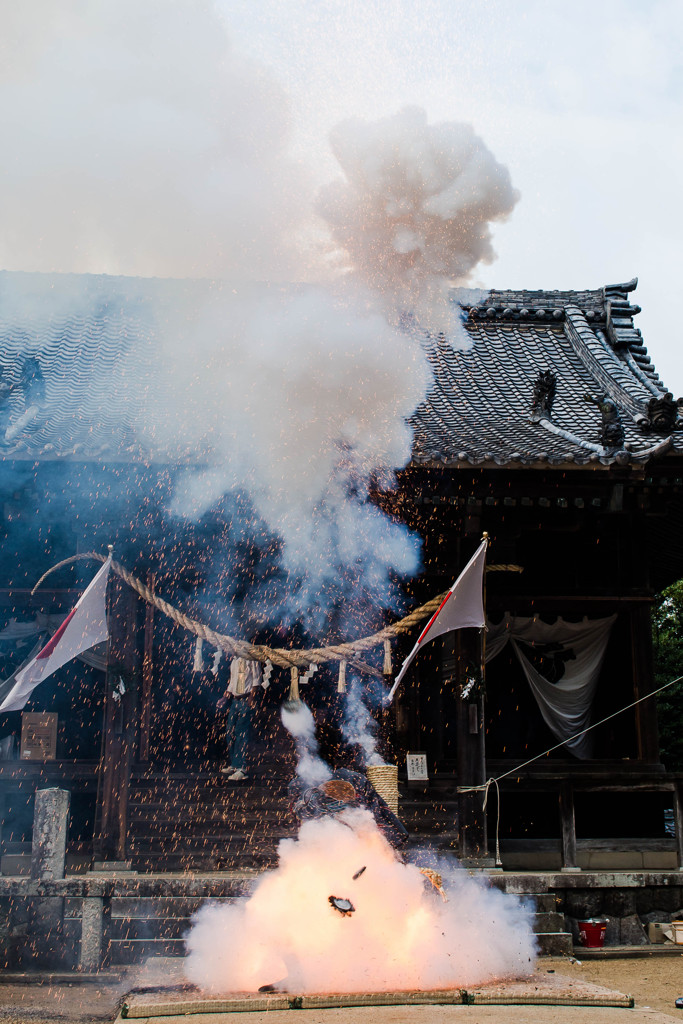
(583, 101)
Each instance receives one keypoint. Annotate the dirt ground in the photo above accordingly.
(654, 982)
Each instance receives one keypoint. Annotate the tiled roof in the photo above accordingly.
(481, 408)
(69, 344)
(88, 336)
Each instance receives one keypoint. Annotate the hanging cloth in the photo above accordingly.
(561, 662)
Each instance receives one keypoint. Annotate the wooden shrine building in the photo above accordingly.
(552, 433)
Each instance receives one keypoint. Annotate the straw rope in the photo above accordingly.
(282, 657)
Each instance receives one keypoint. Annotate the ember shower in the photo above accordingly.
(291, 396)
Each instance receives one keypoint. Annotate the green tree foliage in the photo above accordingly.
(667, 637)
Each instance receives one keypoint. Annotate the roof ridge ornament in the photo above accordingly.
(623, 286)
(662, 414)
(543, 397)
(612, 429)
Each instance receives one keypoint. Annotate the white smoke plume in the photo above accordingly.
(140, 142)
(298, 720)
(398, 937)
(414, 209)
(358, 725)
(299, 398)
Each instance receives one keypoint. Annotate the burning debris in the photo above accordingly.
(345, 907)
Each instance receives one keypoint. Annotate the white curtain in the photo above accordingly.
(561, 661)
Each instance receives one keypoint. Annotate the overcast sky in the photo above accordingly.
(582, 101)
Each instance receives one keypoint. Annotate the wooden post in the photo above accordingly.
(678, 823)
(147, 677)
(568, 827)
(473, 833)
(647, 732)
(120, 727)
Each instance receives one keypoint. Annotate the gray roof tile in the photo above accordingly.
(478, 411)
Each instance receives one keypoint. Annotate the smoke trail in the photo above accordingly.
(299, 723)
(398, 937)
(358, 725)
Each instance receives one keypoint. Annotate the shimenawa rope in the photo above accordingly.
(282, 657)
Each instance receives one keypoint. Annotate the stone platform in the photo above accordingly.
(108, 920)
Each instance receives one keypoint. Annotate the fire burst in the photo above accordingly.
(400, 935)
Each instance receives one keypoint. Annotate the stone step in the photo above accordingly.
(149, 929)
(134, 951)
(555, 944)
(153, 908)
(205, 861)
(205, 811)
(545, 902)
(226, 827)
(548, 921)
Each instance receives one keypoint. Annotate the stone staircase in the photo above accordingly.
(550, 926)
(138, 927)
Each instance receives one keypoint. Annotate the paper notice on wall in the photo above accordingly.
(417, 767)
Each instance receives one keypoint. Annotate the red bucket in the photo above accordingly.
(592, 933)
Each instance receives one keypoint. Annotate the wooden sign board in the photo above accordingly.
(38, 736)
(417, 767)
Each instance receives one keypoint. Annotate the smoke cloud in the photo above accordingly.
(398, 937)
(413, 211)
(140, 142)
(298, 397)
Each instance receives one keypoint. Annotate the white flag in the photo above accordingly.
(83, 627)
(461, 608)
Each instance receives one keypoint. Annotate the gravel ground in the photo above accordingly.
(654, 982)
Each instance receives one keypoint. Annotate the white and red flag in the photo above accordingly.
(83, 627)
(461, 608)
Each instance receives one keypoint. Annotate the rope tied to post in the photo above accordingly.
(484, 788)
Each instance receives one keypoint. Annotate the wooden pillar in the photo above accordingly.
(147, 677)
(678, 822)
(120, 725)
(473, 833)
(647, 732)
(568, 827)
